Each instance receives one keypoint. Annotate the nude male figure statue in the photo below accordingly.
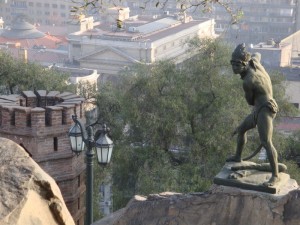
(258, 93)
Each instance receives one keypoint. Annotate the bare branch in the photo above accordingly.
(206, 5)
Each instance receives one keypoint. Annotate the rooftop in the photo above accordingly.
(140, 30)
(22, 30)
(41, 47)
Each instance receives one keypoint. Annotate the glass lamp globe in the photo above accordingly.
(104, 147)
(75, 135)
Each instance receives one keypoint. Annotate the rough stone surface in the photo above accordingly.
(28, 195)
(221, 205)
(251, 176)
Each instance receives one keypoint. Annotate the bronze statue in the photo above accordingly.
(258, 93)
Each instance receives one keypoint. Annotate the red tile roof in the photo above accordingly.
(35, 51)
(50, 42)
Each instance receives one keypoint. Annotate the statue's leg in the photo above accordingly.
(246, 125)
(265, 130)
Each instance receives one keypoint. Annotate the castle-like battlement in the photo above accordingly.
(39, 112)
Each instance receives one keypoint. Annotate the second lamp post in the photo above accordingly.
(80, 138)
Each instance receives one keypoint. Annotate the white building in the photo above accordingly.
(109, 48)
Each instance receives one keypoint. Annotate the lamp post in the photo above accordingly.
(81, 137)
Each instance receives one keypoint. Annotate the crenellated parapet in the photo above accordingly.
(36, 113)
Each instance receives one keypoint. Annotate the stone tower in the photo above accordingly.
(39, 121)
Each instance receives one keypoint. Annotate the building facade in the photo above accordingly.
(110, 49)
(39, 121)
(54, 12)
(262, 20)
(274, 55)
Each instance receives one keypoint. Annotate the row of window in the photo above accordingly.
(39, 12)
(47, 5)
(270, 20)
(277, 2)
(19, 4)
(54, 14)
(41, 21)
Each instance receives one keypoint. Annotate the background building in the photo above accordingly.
(262, 20)
(24, 41)
(109, 47)
(53, 12)
(274, 55)
(39, 122)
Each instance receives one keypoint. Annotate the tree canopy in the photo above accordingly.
(16, 76)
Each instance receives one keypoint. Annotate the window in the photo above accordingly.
(47, 5)
(62, 6)
(54, 6)
(19, 4)
(47, 13)
(286, 12)
(39, 4)
(63, 15)
(55, 144)
(30, 3)
(76, 45)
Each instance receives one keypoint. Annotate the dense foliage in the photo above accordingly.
(172, 124)
(16, 76)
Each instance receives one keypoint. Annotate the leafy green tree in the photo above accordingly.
(87, 89)
(293, 149)
(16, 76)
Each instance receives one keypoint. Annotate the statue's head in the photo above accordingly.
(240, 58)
(240, 54)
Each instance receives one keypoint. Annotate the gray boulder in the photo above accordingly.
(28, 195)
(221, 205)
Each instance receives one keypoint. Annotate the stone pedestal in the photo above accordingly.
(250, 177)
(218, 206)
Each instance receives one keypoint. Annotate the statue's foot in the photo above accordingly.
(234, 176)
(273, 180)
(234, 159)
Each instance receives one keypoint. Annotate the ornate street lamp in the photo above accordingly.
(79, 138)
(104, 147)
(77, 143)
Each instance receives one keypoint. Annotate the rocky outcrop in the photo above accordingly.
(28, 196)
(220, 205)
